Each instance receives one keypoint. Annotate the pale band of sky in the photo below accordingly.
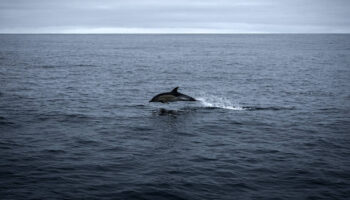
(174, 16)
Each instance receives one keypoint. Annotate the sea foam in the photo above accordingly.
(218, 102)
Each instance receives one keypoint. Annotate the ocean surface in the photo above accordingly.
(272, 120)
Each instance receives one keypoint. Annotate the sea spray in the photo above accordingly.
(218, 102)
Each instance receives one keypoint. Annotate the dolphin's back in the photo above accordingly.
(164, 97)
(174, 95)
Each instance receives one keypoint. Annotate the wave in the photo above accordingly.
(268, 108)
(5, 122)
(210, 101)
(219, 102)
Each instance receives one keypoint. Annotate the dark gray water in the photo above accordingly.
(272, 120)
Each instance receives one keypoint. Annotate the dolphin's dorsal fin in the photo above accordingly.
(175, 90)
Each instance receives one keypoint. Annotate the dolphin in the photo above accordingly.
(174, 95)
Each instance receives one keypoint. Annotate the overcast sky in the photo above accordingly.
(174, 16)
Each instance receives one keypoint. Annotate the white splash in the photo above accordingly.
(218, 102)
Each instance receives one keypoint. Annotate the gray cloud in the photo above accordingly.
(223, 16)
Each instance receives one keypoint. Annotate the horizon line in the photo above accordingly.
(170, 33)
